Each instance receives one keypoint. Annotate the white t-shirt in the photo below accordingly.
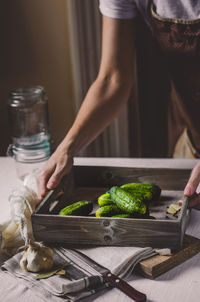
(127, 9)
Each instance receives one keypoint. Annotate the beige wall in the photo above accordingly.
(34, 50)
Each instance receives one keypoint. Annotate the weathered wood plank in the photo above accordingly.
(105, 231)
(157, 265)
(167, 179)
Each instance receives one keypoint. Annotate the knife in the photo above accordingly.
(111, 278)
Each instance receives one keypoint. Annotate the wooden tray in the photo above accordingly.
(87, 183)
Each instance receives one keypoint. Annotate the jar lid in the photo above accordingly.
(23, 94)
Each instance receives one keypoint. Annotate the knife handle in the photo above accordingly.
(125, 287)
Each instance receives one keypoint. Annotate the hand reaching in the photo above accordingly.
(191, 187)
(58, 165)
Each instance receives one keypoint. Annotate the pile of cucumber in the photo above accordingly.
(128, 201)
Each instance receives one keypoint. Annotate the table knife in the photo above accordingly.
(111, 278)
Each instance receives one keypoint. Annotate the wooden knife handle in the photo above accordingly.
(125, 287)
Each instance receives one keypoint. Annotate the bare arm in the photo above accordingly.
(103, 102)
(191, 187)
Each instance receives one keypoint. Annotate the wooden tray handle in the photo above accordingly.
(184, 209)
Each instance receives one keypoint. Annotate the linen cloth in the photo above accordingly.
(81, 280)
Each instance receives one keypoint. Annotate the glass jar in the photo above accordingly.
(29, 127)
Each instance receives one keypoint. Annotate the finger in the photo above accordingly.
(55, 178)
(193, 182)
(180, 202)
(60, 171)
(42, 180)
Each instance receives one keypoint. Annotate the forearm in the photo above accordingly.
(101, 105)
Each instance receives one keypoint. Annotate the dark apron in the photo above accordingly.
(179, 40)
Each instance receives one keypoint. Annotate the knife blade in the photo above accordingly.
(111, 278)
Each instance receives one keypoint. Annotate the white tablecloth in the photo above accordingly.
(180, 284)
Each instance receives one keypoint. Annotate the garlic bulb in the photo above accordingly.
(37, 257)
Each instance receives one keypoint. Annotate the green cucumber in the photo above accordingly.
(149, 191)
(147, 196)
(79, 208)
(108, 211)
(104, 200)
(126, 201)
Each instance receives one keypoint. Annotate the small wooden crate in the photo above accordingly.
(87, 183)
